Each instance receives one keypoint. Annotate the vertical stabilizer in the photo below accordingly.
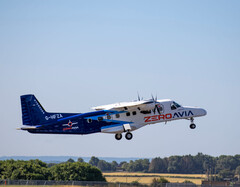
(32, 111)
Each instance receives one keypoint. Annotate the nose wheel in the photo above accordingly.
(192, 125)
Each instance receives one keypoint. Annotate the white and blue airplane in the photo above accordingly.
(115, 118)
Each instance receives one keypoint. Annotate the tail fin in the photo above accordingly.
(32, 111)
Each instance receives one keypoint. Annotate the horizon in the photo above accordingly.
(110, 156)
(74, 55)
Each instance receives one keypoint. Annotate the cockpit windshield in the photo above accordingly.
(175, 105)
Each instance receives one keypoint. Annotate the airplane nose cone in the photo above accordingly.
(203, 112)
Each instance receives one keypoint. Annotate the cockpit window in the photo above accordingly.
(174, 105)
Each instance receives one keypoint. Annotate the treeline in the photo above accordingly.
(224, 166)
(38, 170)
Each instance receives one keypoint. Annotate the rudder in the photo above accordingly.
(32, 111)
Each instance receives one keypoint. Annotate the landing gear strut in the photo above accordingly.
(192, 125)
(118, 136)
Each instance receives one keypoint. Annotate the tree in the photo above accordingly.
(51, 164)
(114, 166)
(158, 165)
(237, 172)
(187, 164)
(124, 166)
(135, 183)
(159, 182)
(225, 174)
(198, 163)
(25, 170)
(188, 181)
(70, 160)
(38, 170)
(80, 160)
(141, 165)
(174, 164)
(121, 163)
(104, 166)
(227, 163)
(94, 161)
(76, 171)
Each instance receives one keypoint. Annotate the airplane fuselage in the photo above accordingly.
(115, 118)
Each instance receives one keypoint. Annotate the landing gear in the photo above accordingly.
(192, 125)
(118, 136)
(128, 135)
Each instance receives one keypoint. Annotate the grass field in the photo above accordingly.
(146, 178)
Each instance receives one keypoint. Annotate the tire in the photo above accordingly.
(118, 136)
(192, 126)
(128, 135)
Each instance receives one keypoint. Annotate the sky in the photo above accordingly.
(74, 55)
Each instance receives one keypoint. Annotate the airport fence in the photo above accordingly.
(105, 184)
(68, 183)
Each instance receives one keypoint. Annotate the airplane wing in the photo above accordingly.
(127, 105)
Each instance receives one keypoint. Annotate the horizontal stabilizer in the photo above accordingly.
(27, 128)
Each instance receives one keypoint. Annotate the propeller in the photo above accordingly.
(138, 97)
(156, 105)
(156, 108)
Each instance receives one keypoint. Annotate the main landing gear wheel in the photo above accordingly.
(128, 135)
(192, 126)
(118, 136)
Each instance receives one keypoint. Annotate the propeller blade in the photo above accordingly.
(153, 97)
(158, 110)
(154, 110)
(138, 97)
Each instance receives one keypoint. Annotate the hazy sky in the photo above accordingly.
(74, 55)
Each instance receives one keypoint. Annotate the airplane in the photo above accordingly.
(115, 118)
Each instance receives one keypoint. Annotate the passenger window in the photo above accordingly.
(117, 115)
(89, 120)
(100, 118)
(146, 111)
(128, 114)
(134, 112)
(108, 116)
